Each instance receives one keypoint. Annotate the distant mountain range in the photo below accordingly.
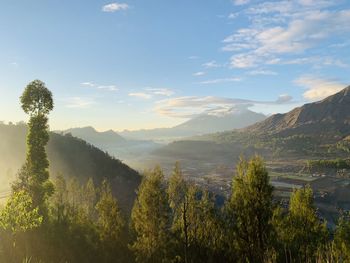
(202, 124)
(70, 157)
(315, 130)
(134, 147)
(128, 150)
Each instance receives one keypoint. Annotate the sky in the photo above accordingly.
(145, 64)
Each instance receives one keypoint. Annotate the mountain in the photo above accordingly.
(202, 124)
(331, 115)
(318, 130)
(128, 150)
(99, 139)
(69, 156)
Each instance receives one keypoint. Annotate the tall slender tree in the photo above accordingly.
(151, 219)
(179, 203)
(251, 206)
(302, 233)
(110, 223)
(36, 101)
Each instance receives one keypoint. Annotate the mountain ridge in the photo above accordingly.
(310, 117)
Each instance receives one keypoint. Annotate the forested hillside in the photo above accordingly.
(70, 157)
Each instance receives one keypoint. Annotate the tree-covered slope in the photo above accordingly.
(69, 156)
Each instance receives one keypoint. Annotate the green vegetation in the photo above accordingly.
(313, 165)
(171, 221)
(34, 176)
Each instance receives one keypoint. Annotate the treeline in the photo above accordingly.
(338, 163)
(82, 223)
(172, 221)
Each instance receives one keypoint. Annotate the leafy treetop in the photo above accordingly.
(36, 98)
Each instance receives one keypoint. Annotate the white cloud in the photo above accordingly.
(232, 15)
(193, 57)
(186, 107)
(79, 102)
(284, 98)
(262, 72)
(141, 95)
(108, 87)
(198, 74)
(149, 93)
(244, 61)
(160, 91)
(241, 2)
(296, 27)
(114, 7)
(88, 84)
(99, 87)
(211, 64)
(318, 88)
(215, 81)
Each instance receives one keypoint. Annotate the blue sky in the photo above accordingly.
(145, 64)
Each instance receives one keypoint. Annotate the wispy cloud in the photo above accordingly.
(14, 64)
(232, 15)
(318, 88)
(211, 64)
(160, 91)
(199, 73)
(79, 102)
(99, 87)
(141, 95)
(262, 72)
(222, 80)
(114, 7)
(108, 87)
(88, 84)
(149, 93)
(241, 2)
(187, 107)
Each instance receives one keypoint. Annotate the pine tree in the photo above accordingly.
(251, 209)
(59, 200)
(151, 219)
(302, 232)
(110, 223)
(179, 203)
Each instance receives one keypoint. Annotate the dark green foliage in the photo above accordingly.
(151, 219)
(110, 223)
(37, 99)
(342, 240)
(34, 176)
(301, 232)
(313, 165)
(251, 208)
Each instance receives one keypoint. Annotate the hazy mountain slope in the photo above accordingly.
(90, 135)
(71, 157)
(315, 130)
(202, 124)
(331, 115)
(126, 149)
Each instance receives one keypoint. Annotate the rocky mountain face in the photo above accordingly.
(331, 115)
